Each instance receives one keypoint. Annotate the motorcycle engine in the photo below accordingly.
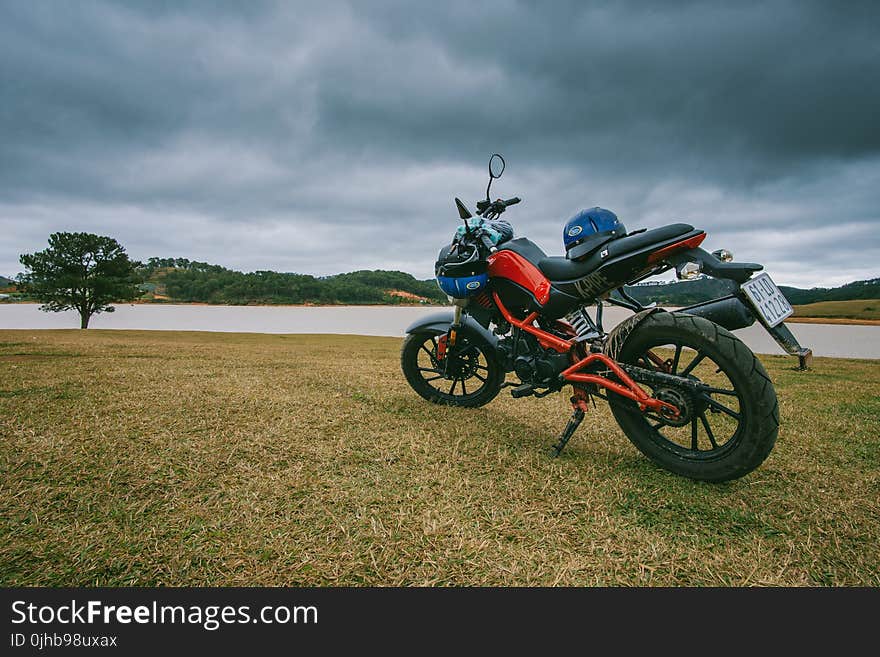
(532, 364)
(542, 369)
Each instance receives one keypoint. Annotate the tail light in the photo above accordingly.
(690, 243)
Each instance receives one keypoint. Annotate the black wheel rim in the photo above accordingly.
(463, 372)
(713, 419)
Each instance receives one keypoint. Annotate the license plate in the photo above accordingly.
(767, 299)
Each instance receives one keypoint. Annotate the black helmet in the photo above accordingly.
(460, 271)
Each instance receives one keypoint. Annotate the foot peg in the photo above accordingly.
(524, 390)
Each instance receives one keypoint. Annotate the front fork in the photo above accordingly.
(456, 321)
(447, 342)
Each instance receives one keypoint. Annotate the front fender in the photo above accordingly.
(438, 323)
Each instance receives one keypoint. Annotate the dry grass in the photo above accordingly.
(152, 458)
(867, 310)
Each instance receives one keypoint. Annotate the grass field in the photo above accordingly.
(860, 309)
(160, 458)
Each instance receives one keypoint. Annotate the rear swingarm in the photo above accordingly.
(652, 377)
(626, 388)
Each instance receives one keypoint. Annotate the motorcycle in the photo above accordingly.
(682, 387)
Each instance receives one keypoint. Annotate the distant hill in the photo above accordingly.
(683, 293)
(179, 279)
(869, 289)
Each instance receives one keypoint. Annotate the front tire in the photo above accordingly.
(741, 403)
(469, 377)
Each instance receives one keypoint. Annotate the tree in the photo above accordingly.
(82, 272)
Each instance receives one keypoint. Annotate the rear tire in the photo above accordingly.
(747, 402)
(474, 373)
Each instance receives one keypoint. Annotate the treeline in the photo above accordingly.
(185, 280)
(181, 279)
(684, 293)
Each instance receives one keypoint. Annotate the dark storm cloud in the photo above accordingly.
(280, 135)
(773, 84)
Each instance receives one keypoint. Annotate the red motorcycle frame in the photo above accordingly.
(512, 266)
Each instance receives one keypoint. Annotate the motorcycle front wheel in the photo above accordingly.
(726, 430)
(466, 375)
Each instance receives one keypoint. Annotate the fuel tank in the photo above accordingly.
(523, 288)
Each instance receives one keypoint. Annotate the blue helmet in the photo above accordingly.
(460, 271)
(460, 287)
(588, 230)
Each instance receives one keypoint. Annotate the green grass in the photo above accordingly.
(855, 309)
(154, 458)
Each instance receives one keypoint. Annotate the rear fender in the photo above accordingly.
(734, 271)
(622, 331)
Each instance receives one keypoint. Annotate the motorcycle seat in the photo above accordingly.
(560, 268)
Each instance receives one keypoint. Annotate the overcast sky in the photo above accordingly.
(325, 137)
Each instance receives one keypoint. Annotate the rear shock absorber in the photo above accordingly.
(583, 324)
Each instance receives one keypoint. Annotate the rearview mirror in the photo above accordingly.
(496, 166)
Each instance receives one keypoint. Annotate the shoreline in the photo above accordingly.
(833, 320)
(843, 321)
(172, 334)
(255, 305)
(389, 321)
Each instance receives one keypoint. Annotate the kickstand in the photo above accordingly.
(573, 423)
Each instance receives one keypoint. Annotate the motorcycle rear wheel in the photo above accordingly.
(724, 433)
(468, 375)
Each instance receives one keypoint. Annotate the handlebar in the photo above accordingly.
(487, 242)
(491, 209)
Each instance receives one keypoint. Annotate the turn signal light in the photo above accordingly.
(689, 271)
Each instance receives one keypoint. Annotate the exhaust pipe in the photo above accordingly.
(729, 312)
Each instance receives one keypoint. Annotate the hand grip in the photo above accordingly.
(487, 242)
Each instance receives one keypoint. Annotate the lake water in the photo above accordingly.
(823, 339)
